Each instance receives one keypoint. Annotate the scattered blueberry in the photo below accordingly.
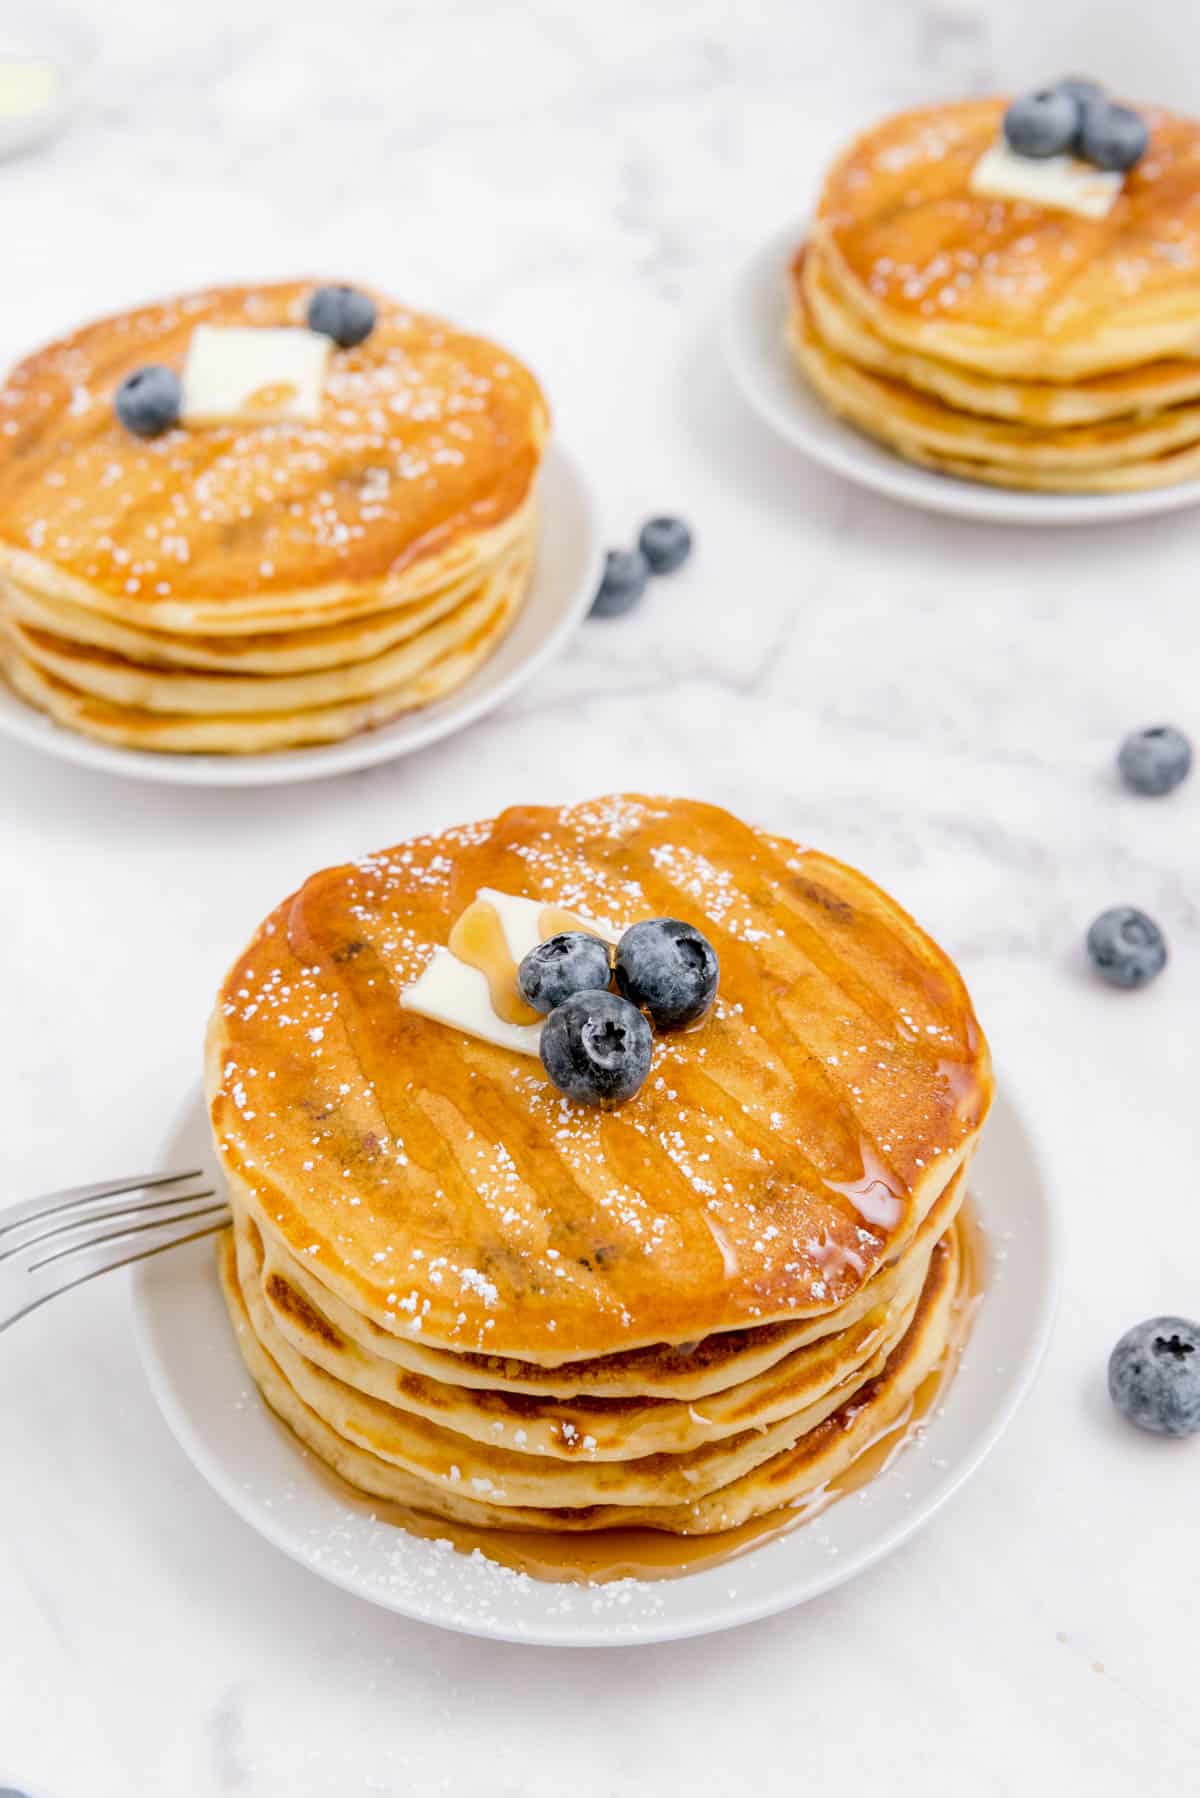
(148, 401)
(626, 572)
(1111, 137)
(571, 962)
(1042, 124)
(1125, 947)
(666, 544)
(344, 313)
(1154, 1376)
(1156, 760)
(596, 1048)
(666, 968)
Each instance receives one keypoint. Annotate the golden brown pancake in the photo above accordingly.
(1005, 286)
(326, 646)
(613, 1428)
(846, 332)
(776, 1158)
(488, 1303)
(451, 1459)
(998, 339)
(108, 675)
(232, 733)
(923, 427)
(822, 1451)
(323, 1327)
(334, 571)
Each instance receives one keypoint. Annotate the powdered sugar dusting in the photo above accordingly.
(480, 1209)
(422, 432)
(900, 207)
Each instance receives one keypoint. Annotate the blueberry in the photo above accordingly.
(1112, 137)
(596, 1048)
(1125, 947)
(666, 544)
(666, 968)
(1154, 1376)
(1156, 760)
(149, 400)
(626, 572)
(571, 962)
(343, 313)
(1042, 124)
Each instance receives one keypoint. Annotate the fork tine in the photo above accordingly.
(70, 1196)
(81, 1274)
(130, 1229)
(75, 1221)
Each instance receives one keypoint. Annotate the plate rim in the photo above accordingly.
(367, 749)
(757, 369)
(570, 1633)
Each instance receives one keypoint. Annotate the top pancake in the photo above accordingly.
(414, 475)
(1052, 405)
(778, 1154)
(1005, 286)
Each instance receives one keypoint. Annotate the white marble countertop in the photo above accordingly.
(938, 702)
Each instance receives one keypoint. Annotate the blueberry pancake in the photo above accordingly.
(1014, 308)
(255, 517)
(672, 1288)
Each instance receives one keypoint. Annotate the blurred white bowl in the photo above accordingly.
(46, 55)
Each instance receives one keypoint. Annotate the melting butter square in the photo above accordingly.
(1061, 182)
(240, 374)
(451, 992)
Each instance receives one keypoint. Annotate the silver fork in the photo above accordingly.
(49, 1245)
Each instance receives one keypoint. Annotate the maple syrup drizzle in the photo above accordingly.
(271, 398)
(599, 1557)
(478, 939)
(554, 921)
(414, 1091)
(828, 1118)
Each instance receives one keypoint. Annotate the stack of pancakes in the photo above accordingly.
(470, 1295)
(251, 586)
(999, 340)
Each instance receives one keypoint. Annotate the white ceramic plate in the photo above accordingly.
(210, 1403)
(564, 584)
(762, 365)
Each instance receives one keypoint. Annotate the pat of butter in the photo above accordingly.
(1060, 182)
(452, 992)
(239, 374)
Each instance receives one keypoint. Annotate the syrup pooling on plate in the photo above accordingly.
(842, 1049)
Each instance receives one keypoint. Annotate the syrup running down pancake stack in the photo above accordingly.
(240, 586)
(491, 1303)
(996, 338)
